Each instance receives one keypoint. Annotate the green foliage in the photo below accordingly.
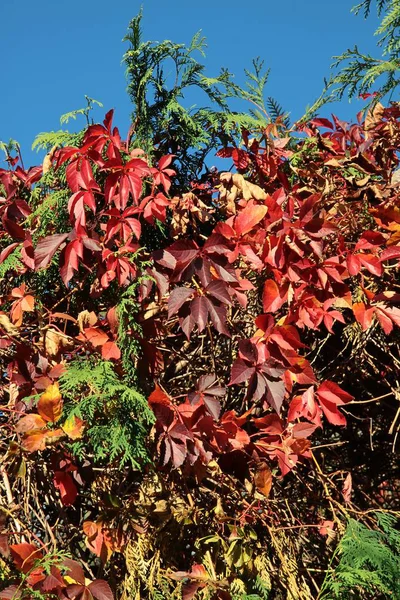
(118, 417)
(127, 328)
(51, 139)
(49, 211)
(276, 111)
(9, 147)
(159, 118)
(11, 263)
(160, 74)
(359, 73)
(257, 589)
(81, 111)
(48, 139)
(369, 562)
(261, 111)
(388, 29)
(365, 6)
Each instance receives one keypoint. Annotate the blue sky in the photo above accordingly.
(53, 52)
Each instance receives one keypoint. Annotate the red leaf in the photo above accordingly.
(53, 581)
(12, 592)
(270, 424)
(207, 384)
(213, 406)
(240, 159)
(159, 397)
(24, 556)
(392, 312)
(189, 590)
(241, 372)
(177, 298)
(165, 161)
(175, 452)
(319, 122)
(330, 397)
(46, 249)
(100, 590)
(353, 264)
(331, 392)
(199, 312)
(275, 392)
(218, 317)
(67, 488)
(273, 296)
(207, 389)
(303, 430)
(225, 152)
(219, 290)
(248, 218)
(371, 263)
(7, 251)
(74, 570)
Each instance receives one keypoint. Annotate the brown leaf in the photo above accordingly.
(7, 326)
(347, 488)
(56, 342)
(86, 319)
(4, 549)
(263, 479)
(31, 422)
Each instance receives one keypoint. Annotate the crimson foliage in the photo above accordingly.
(255, 311)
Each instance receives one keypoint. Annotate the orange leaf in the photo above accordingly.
(27, 303)
(52, 435)
(18, 292)
(110, 351)
(97, 337)
(95, 540)
(34, 441)
(50, 404)
(326, 528)
(300, 446)
(16, 313)
(363, 314)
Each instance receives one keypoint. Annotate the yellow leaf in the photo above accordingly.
(74, 427)
(50, 404)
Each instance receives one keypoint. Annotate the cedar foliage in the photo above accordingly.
(369, 561)
(359, 74)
